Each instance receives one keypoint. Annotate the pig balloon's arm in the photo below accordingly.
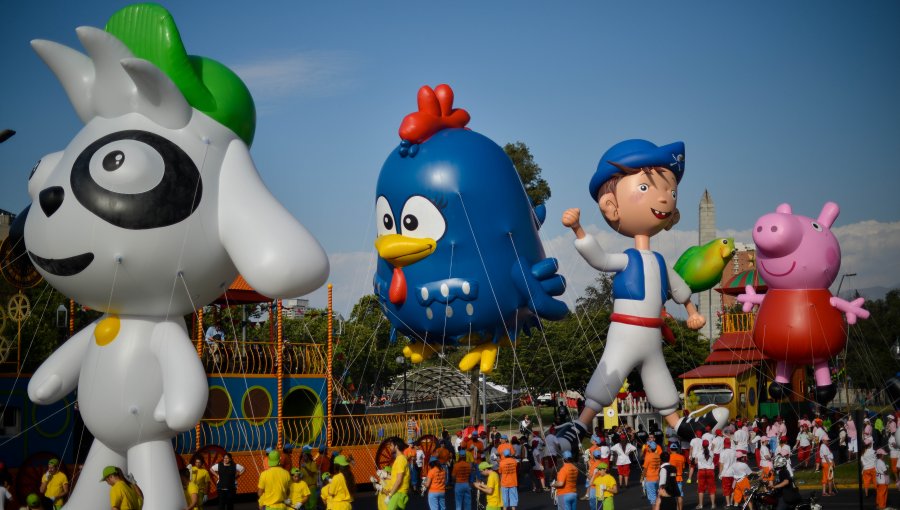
(750, 298)
(852, 309)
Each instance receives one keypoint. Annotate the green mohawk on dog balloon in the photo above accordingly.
(149, 31)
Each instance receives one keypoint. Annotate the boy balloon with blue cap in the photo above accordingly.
(635, 186)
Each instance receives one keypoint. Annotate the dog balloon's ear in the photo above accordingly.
(280, 258)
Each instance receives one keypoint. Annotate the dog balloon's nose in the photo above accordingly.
(50, 199)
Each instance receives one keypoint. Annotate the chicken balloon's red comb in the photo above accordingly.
(435, 113)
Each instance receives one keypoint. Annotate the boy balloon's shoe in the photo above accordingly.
(778, 390)
(710, 416)
(569, 436)
(824, 394)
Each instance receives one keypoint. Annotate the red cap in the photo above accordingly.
(784, 439)
(705, 442)
(719, 432)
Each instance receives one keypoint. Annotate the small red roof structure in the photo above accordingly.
(241, 293)
(737, 284)
(717, 371)
(735, 348)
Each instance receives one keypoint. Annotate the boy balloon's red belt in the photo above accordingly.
(646, 322)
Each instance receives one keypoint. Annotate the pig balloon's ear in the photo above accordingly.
(829, 213)
(784, 209)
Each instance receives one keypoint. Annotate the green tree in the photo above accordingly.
(597, 296)
(537, 188)
(868, 361)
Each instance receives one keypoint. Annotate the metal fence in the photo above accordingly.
(248, 434)
(235, 357)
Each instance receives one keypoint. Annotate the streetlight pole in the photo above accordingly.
(484, 402)
(845, 275)
(402, 361)
(846, 371)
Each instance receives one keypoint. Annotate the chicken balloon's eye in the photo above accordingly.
(422, 219)
(385, 217)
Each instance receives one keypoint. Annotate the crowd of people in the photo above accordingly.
(721, 464)
(494, 466)
(320, 479)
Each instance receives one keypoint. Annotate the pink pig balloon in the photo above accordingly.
(799, 321)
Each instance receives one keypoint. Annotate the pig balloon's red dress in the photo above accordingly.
(799, 326)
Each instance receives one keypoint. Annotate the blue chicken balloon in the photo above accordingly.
(460, 259)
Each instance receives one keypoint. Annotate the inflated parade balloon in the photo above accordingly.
(148, 214)
(701, 266)
(799, 322)
(460, 259)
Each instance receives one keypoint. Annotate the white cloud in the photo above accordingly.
(314, 73)
(351, 277)
(869, 249)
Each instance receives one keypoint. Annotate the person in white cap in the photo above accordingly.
(881, 480)
(826, 458)
(868, 464)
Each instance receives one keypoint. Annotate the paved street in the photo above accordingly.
(626, 500)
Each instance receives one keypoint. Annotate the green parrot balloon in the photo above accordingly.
(701, 266)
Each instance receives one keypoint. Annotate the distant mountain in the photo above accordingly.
(871, 293)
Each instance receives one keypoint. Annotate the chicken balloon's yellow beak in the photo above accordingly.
(401, 251)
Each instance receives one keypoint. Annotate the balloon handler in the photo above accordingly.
(635, 186)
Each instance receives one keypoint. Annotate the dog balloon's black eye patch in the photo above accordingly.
(129, 161)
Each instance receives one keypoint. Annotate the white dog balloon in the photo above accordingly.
(149, 213)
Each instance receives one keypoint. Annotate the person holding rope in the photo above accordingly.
(55, 484)
(706, 475)
(123, 495)
(298, 492)
(341, 491)
(622, 454)
(604, 488)
(566, 483)
(652, 462)
(462, 477)
(274, 484)
(826, 458)
(881, 480)
(490, 487)
(435, 485)
(635, 187)
(397, 490)
(191, 491)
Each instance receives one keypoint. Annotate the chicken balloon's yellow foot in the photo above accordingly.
(483, 355)
(419, 352)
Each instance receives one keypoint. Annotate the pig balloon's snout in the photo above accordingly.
(777, 234)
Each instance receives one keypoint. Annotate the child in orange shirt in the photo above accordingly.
(436, 484)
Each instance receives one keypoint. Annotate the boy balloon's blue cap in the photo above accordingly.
(596, 454)
(567, 454)
(637, 154)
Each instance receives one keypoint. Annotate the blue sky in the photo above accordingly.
(776, 101)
